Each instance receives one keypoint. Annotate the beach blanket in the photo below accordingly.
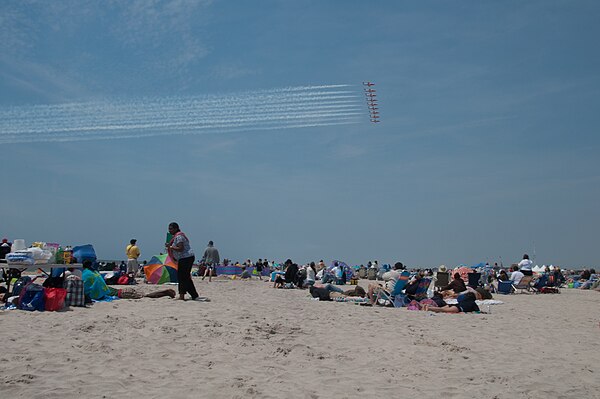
(354, 299)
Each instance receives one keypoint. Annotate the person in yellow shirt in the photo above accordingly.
(133, 253)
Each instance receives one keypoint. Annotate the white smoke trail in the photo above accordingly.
(285, 108)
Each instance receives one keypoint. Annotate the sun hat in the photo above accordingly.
(442, 268)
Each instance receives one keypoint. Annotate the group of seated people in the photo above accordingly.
(294, 276)
(587, 280)
(411, 295)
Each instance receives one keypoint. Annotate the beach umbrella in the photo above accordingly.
(161, 269)
(477, 266)
(463, 271)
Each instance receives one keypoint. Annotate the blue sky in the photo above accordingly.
(487, 147)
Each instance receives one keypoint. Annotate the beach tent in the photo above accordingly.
(477, 266)
(161, 269)
(347, 269)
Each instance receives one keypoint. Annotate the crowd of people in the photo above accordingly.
(323, 282)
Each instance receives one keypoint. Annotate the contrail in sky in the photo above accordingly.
(284, 108)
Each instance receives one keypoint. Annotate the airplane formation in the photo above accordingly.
(371, 97)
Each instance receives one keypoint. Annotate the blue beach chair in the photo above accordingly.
(505, 287)
(396, 298)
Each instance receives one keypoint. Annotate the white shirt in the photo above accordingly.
(390, 279)
(310, 274)
(516, 277)
(525, 264)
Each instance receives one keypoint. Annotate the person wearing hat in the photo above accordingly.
(133, 253)
(4, 248)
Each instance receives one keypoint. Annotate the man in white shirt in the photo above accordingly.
(392, 276)
(516, 275)
(390, 279)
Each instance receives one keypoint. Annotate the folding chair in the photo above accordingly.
(524, 284)
(505, 287)
(474, 279)
(540, 283)
(421, 292)
(442, 279)
(395, 297)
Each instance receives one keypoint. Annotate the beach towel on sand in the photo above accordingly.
(94, 286)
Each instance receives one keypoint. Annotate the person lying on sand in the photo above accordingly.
(94, 287)
(327, 292)
(466, 303)
(480, 293)
(357, 291)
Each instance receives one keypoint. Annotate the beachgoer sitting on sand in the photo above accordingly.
(311, 273)
(503, 276)
(516, 275)
(290, 278)
(466, 303)
(245, 274)
(390, 278)
(558, 278)
(411, 287)
(587, 284)
(456, 286)
(585, 275)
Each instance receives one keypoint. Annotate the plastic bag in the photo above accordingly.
(20, 258)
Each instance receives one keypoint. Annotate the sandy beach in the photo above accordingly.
(252, 341)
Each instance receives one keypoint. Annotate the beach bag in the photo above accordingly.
(54, 299)
(123, 280)
(20, 284)
(32, 298)
(74, 293)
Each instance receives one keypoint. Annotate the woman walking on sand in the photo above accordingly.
(179, 249)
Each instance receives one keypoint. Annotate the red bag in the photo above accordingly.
(123, 280)
(55, 298)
